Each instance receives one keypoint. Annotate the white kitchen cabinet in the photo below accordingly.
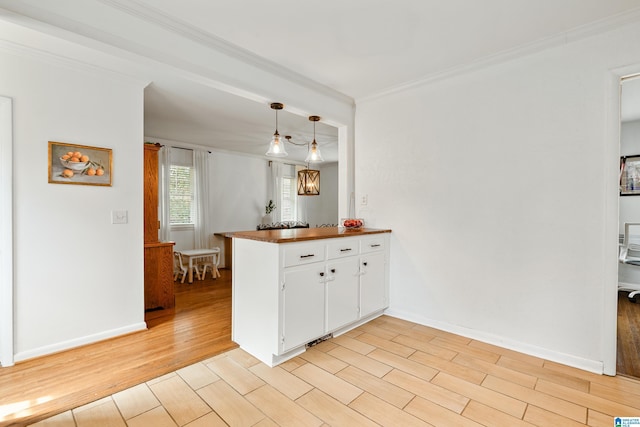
(303, 305)
(342, 289)
(287, 294)
(373, 292)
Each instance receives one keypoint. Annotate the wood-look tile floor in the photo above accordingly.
(387, 372)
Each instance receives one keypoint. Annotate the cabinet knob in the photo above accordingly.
(333, 270)
(322, 274)
(364, 263)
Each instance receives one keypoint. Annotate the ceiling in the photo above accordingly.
(360, 48)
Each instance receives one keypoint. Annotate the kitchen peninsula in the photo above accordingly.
(295, 287)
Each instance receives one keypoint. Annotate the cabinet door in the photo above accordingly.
(303, 305)
(373, 295)
(342, 292)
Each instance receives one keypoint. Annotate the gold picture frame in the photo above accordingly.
(79, 164)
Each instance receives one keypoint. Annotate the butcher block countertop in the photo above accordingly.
(288, 235)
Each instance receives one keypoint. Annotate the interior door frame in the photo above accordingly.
(612, 213)
(6, 232)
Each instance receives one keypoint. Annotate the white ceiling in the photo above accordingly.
(184, 111)
(359, 48)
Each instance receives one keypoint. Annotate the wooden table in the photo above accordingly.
(192, 254)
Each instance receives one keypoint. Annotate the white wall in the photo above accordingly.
(495, 191)
(78, 278)
(240, 187)
(323, 209)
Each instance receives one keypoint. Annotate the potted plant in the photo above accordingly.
(267, 219)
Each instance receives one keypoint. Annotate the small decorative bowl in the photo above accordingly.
(74, 166)
(352, 223)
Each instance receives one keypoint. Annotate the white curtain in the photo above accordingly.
(164, 161)
(274, 189)
(301, 214)
(201, 199)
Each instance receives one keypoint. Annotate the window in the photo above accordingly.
(181, 202)
(288, 202)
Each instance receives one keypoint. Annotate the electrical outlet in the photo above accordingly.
(364, 200)
(119, 217)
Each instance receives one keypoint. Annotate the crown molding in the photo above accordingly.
(188, 31)
(612, 23)
(66, 62)
(192, 146)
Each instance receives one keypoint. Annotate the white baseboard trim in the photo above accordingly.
(594, 366)
(77, 342)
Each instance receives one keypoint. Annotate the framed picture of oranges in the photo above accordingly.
(79, 164)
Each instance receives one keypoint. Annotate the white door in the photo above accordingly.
(342, 292)
(303, 305)
(372, 283)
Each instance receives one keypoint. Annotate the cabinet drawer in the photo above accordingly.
(303, 254)
(372, 244)
(342, 248)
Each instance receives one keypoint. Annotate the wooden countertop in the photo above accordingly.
(288, 235)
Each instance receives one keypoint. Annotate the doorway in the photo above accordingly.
(6, 234)
(628, 311)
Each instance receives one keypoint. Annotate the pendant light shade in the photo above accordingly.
(276, 146)
(314, 155)
(308, 179)
(308, 182)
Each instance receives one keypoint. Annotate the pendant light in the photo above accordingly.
(314, 155)
(308, 182)
(276, 147)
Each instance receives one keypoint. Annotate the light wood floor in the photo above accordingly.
(387, 372)
(200, 328)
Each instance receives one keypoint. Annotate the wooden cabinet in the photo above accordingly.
(158, 276)
(151, 225)
(286, 295)
(159, 296)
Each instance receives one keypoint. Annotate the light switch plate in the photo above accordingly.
(119, 217)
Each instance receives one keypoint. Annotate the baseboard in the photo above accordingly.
(77, 342)
(594, 366)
